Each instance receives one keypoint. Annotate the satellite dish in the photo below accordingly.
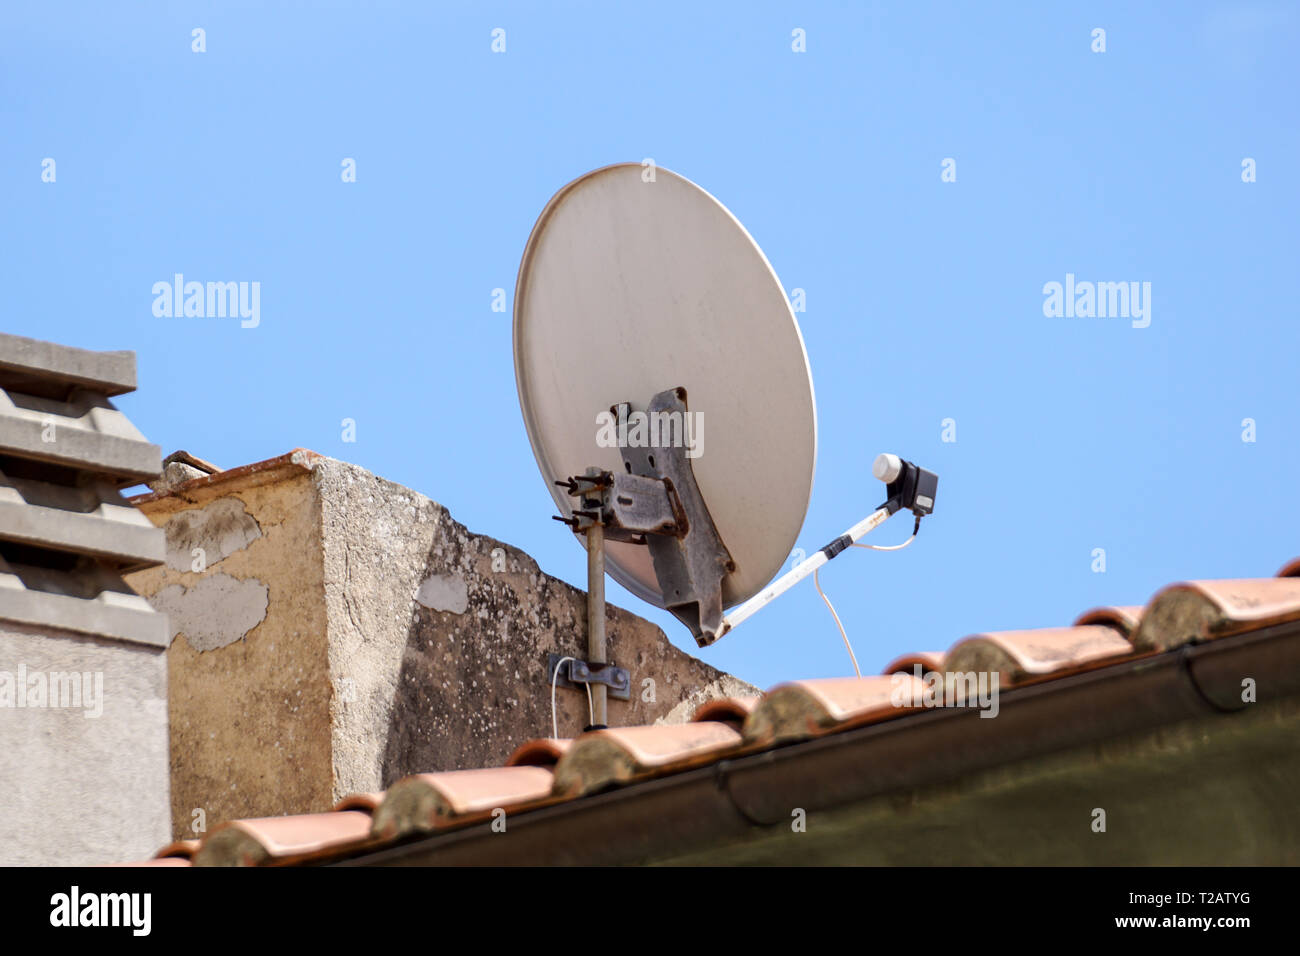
(639, 294)
(633, 288)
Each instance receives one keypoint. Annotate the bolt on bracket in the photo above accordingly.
(574, 673)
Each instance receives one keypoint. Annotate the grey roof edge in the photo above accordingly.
(111, 373)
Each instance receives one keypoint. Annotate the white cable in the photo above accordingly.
(886, 547)
(853, 656)
(830, 607)
(591, 708)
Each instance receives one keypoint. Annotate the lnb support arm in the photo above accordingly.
(909, 487)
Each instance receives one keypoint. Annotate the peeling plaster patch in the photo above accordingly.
(444, 592)
(220, 529)
(217, 611)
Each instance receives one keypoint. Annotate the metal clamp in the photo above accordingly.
(574, 673)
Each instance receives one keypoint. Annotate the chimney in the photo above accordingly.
(334, 632)
(83, 680)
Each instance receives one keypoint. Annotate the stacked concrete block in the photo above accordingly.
(83, 712)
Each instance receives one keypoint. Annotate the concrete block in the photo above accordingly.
(86, 599)
(83, 748)
(84, 432)
(35, 367)
(92, 519)
(83, 681)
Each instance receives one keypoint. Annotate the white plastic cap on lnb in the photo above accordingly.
(887, 467)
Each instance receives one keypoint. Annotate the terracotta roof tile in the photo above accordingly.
(1203, 610)
(181, 849)
(273, 840)
(545, 771)
(156, 861)
(808, 708)
(426, 801)
(1125, 618)
(619, 755)
(726, 709)
(1018, 656)
(906, 663)
(542, 752)
(368, 802)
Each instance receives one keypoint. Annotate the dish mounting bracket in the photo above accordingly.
(655, 501)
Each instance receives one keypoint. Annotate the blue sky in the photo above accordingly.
(924, 298)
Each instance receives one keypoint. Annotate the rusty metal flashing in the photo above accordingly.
(298, 461)
(729, 799)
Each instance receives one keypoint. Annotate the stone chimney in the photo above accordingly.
(334, 632)
(83, 681)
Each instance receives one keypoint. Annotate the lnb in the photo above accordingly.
(910, 486)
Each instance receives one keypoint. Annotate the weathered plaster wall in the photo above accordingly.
(250, 689)
(440, 637)
(334, 632)
(82, 784)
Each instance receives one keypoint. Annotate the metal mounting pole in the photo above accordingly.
(596, 615)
